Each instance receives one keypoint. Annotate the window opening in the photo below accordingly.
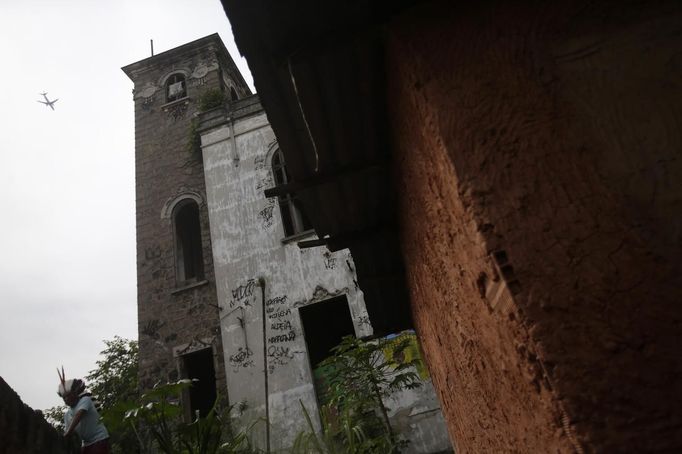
(175, 87)
(233, 94)
(189, 261)
(325, 324)
(293, 217)
(202, 394)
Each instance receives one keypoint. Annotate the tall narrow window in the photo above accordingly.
(293, 218)
(175, 87)
(189, 262)
(233, 94)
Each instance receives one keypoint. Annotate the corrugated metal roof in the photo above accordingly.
(318, 69)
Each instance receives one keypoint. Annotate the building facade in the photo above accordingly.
(282, 306)
(226, 293)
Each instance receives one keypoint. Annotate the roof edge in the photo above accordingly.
(192, 46)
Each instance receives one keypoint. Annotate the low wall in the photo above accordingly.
(24, 430)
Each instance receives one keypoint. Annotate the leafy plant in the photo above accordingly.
(115, 377)
(159, 413)
(342, 432)
(55, 416)
(208, 100)
(356, 381)
(114, 383)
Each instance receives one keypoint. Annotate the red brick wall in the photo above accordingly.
(550, 132)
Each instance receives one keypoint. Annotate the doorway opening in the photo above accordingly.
(202, 394)
(325, 324)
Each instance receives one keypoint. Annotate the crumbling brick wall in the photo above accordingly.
(538, 164)
(24, 430)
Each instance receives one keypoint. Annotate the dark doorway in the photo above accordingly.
(325, 324)
(202, 394)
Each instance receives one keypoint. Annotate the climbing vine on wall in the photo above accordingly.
(208, 100)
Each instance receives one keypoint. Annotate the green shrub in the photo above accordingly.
(210, 99)
(357, 379)
(157, 421)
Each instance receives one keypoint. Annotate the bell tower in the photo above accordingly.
(178, 321)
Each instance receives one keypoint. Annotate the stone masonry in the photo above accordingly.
(174, 317)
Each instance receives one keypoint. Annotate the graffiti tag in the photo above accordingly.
(259, 162)
(288, 337)
(282, 326)
(245, 290)
(329, 261)
(241, 359)
(272, 314)
(266, 216)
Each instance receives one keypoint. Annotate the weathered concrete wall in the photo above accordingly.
(247, 234)
(24, 430)
(416, 415)
(173, 318)
(538, 164)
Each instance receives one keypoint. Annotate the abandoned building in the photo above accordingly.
(523, 160)
(234, 286)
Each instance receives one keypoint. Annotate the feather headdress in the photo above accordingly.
(62, 388)
(74, 385)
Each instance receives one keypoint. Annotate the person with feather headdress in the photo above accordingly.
(82, 416)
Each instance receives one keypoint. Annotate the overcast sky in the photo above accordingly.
(67, 222)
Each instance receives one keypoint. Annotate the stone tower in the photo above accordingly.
(178, 322)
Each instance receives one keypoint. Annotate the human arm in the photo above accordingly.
(76, 414)
(74, 422)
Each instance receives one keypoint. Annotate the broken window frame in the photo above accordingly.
(172, 80)
(294, 221)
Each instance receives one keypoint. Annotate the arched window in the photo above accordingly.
(233, 94)
(175, 87)
(293, 218)
(189, 261)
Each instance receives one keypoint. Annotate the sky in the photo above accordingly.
(67, 195)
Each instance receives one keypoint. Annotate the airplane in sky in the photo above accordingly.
(47, 102)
